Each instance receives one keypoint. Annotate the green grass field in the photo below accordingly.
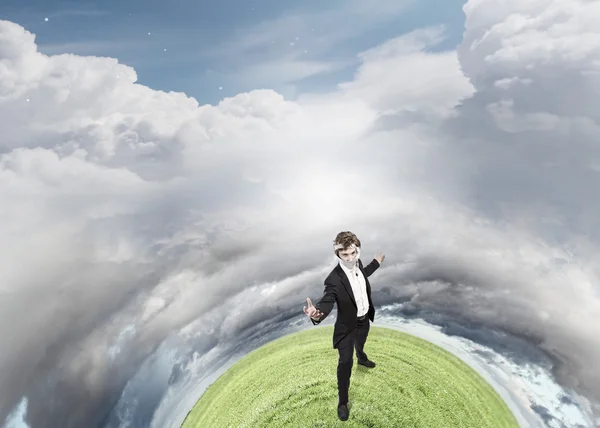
(292, 382)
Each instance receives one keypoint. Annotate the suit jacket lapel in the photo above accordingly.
(346, 283)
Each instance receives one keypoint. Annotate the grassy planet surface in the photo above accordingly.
(292, 382)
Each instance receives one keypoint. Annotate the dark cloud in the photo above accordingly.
(546, 416)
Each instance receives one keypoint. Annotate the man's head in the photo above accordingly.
(345, 241)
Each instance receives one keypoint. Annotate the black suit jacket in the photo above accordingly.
(338, 290)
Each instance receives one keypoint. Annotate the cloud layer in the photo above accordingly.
(129, 213)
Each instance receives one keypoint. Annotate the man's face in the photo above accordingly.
(348, 254)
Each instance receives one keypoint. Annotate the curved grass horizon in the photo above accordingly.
(291, 381)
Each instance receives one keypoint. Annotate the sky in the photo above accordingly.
(155, 226)
(211, 50)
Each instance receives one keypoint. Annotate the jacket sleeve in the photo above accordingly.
(371, 267)
(325, 305)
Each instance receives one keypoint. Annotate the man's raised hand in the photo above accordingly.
(312, 312)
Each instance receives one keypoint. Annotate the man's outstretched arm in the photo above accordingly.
(371, 267)
(374, 265)
(325, 305)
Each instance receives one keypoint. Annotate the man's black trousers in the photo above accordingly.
(354, 340)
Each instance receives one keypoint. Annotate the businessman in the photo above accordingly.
(348, 286)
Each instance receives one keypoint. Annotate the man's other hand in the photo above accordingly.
(312, 312)
(380, 257)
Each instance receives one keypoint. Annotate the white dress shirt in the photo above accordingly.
(359, 288)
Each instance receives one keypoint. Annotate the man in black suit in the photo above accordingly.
(348, 286)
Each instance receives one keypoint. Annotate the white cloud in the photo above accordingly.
(524, 40)
(400, 75)
(129, 208)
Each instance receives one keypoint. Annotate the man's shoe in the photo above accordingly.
(367, 363)
(343, 412)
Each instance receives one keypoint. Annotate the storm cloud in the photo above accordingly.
(136, 220)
